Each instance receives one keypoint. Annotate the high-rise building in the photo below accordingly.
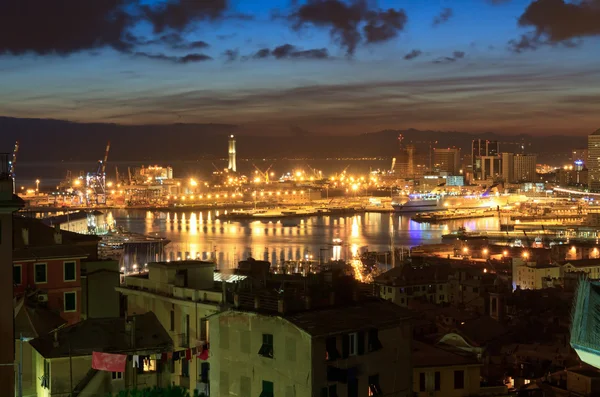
(525, 167)
(483, 148)
(232, 165)
(508, 167)
(447, 160)
(490, 167)
(593, 161)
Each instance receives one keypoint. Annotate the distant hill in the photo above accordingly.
(58, 140)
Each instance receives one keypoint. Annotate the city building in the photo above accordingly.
(508, 167)
(99, 297)
(439, 371)
(82, 222)
(484, 157)
(571, 175)
(593, 161)
(9, 203)
(356, 348)
(447, 160)
(182, 295)
(524, 168)
(63, 358)
(532, 275)
(591, 267)
(580, 154)
(404, 283)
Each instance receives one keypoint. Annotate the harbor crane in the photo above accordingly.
(96, 181)
(264, 174)
(12, 165)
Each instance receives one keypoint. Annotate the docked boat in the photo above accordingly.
(438, 202)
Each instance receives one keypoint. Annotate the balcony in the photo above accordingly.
(169, 290)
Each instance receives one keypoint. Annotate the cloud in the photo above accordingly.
(443, 17)
(456, 55)
(193, 45)
(344, 20)
(231, 55)
(44, 27)
(556, 22)
(190, 58)
(498, 2)
(69, 26)
(180, 14)
(413, 54)
(289, 51)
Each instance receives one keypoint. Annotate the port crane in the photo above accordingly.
(12, 164)
(264, 174)
(96, 181)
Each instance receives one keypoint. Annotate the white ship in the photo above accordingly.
(437, 202)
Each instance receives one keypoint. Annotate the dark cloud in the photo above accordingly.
(344, 20)
(456, 55)
(413, 54)
(556, 22)
(231, 55)
(226, 36)
(444, 16)
(498, 2)
(193, 45)
(45, 27)
(180, 14)
(289, 51)
(262, 53)
(190, 58)
(240, 16)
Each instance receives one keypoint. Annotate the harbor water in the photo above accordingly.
(198, 234)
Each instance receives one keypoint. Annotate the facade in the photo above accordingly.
(490, 167)
(182, 295)
(99, 297)
(529, 275)
(404, 283)
(593, 161)
(80, 222)
(447, 160)
(9, 203)
(63, 359)
(525, 167)
(355, 349)
(508, 167)
(444, 372)
(480, 150)
(589, 266)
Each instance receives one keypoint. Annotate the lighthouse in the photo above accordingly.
(232, 166)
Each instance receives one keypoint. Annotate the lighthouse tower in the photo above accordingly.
(232, 166)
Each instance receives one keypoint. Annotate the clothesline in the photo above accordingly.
(117, 362)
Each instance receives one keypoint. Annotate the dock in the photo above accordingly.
(444, 216)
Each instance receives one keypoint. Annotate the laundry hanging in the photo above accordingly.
(109, 362)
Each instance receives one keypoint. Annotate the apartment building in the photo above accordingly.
(404, 283)
(182, 295)
(359, 348)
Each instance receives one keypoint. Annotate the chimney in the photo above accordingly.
(57, 237)
(55, 342)
(25, 235)
(256, 303)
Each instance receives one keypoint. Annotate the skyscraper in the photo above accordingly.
(232, 166)
(525, 167)
(508, 167)
(485, 151)
(593, 161)
(447, 160)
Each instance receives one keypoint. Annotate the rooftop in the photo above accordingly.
(109, 335)
(60, 219)
(43, 235)
(34, 321)
(186, 264)
(425, 355)
(371, 313)
(409, 274)
(48, 252)
(582, 262)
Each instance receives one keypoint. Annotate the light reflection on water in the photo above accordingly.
(199, 234)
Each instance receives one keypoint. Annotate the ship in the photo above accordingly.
(438, 201)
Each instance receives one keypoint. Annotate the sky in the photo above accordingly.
(323, 66)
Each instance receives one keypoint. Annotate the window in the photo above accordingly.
(422, 381)
(46, 376)
(185, 368)
(204, 372)
(267, 389)
(374, 343)
(17, 275)
(390, 289)
(353, 344)
(41, 276)
(438, 381)
(150, 365)
(69, 271)
(459, 379)
(172, 320)
(203, 330)
(266, 350)
(117, 375)
(475, 290)
(331, 351)
(70, 301)
(374, 388)
(329, 391)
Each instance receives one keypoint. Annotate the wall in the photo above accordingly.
(472, 381)
(27, 366)
(55, 286)
(435, 293)
(99, 297)
(60, 370)
(236, 339)
(392, 363)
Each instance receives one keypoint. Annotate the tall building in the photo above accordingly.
(525, 167)
(593, 161)
(508, 167)
(580, 154)
(447, 160)
(481, 149)
(9, 203)
(232, 165)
